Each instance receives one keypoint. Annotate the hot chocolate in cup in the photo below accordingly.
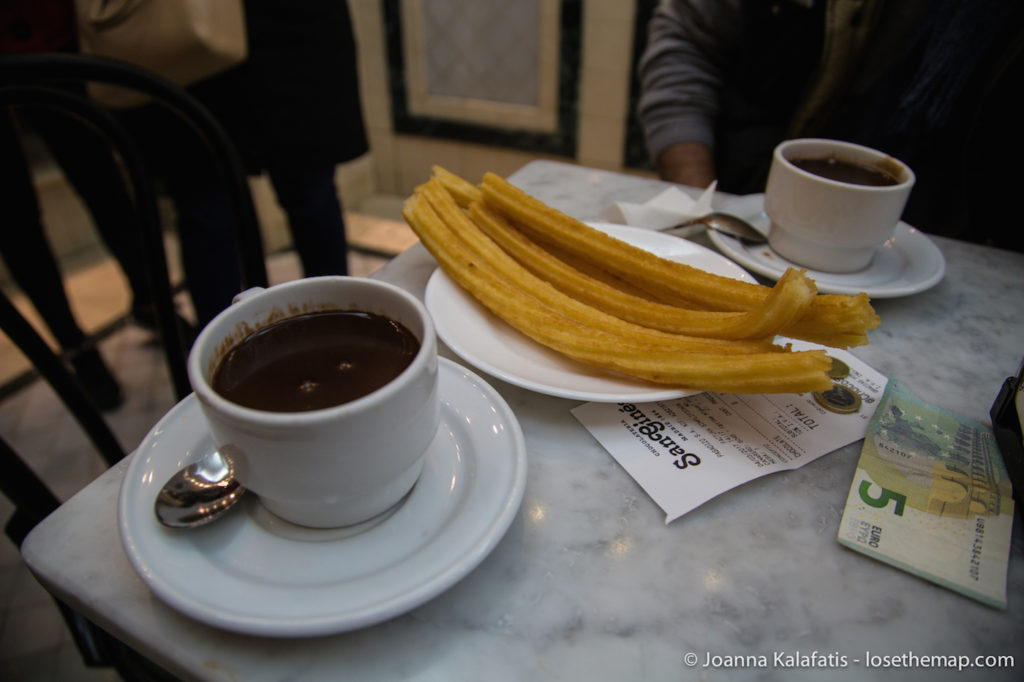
(832, 203)
(344, 455)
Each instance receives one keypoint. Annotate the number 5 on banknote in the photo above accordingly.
(882, 500)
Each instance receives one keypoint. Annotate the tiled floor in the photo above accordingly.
(34, 643)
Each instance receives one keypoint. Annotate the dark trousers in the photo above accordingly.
(310, 201)
(91, 168)
(309, 198)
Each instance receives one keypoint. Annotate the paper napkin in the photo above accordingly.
(669, 208)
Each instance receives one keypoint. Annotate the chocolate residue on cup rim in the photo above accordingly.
(893, 167)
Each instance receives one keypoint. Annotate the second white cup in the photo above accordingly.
(829, 224)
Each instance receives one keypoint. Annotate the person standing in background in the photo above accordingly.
(90, 166)
(293, 111)
(29, 258)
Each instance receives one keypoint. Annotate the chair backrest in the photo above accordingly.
(36, 79)
(34, 501)
(63, 382)
(32, 498)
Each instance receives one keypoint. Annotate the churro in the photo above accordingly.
(789, 300)
(581, 332)
(835, 320)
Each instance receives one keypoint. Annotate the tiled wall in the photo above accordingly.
(589, 99)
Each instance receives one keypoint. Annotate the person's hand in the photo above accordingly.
(687, 163)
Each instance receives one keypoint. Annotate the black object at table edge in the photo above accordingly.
(1007, 429)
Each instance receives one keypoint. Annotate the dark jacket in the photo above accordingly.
(296, 99)
(293, 103)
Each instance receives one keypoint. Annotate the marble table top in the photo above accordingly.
(589, 582)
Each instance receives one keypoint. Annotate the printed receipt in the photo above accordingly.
(684, 452)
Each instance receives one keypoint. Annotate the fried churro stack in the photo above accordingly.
(608, 304)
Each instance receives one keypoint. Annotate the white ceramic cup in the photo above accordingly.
(336, 466)
(829, 225)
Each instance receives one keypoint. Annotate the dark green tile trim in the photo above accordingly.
(635, 153)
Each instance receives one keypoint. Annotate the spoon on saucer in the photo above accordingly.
(726, 223)
(198, 494)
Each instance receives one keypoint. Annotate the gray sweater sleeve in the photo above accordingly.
(681, 70)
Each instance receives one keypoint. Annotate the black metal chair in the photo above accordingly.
(36, 80)
(34, 501)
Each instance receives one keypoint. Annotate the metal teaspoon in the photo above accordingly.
(729, 224)
(198, 494)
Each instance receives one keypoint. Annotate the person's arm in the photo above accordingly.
(686, 163)
(681, 73)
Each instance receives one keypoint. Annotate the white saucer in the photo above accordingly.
(907, 264)
(254, 573)
(492, 346)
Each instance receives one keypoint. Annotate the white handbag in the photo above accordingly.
(184, 41)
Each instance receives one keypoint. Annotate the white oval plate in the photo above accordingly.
(492, 346)
(256, 574)
(909, 263)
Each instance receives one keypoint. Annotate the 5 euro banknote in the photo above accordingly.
(932, 497)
